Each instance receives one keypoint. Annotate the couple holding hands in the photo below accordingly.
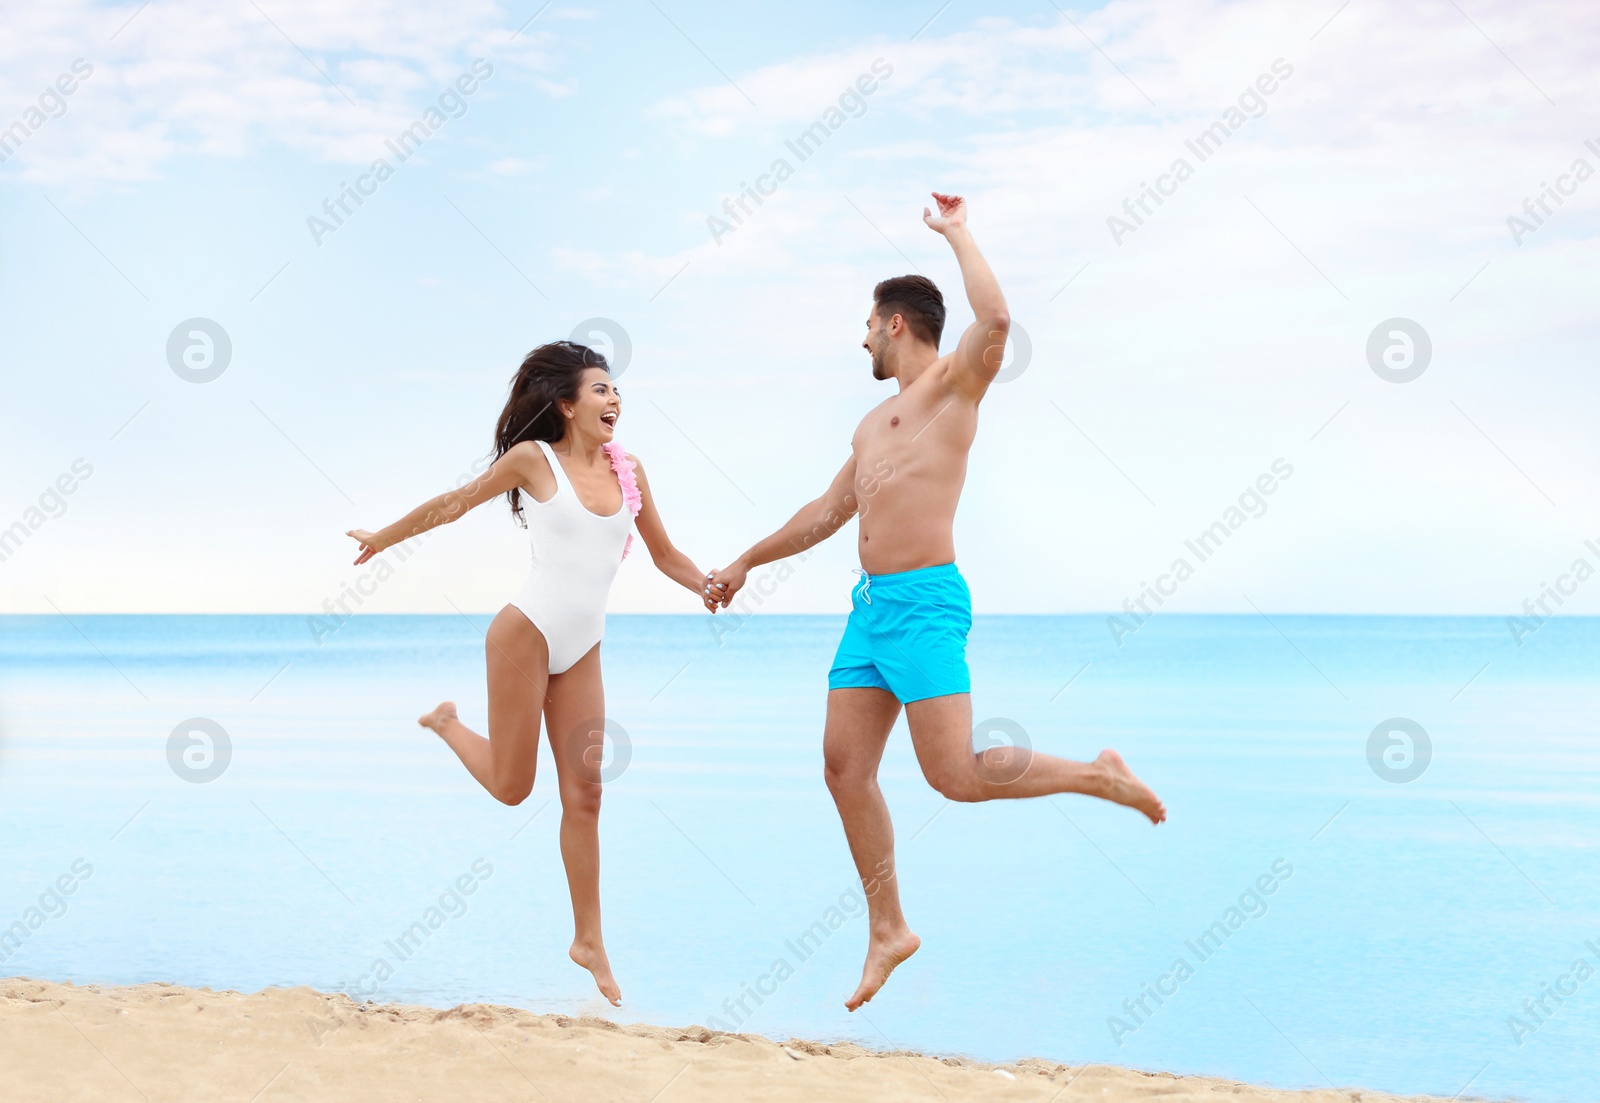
(904, 645)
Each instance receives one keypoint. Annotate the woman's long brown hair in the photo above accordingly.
(549, 375)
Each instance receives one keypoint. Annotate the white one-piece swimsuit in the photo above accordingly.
(576, 554)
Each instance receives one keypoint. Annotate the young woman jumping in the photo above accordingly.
(554, 443)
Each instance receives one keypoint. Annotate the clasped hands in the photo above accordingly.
(719, 586)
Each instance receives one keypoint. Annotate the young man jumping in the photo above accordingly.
(905, 643)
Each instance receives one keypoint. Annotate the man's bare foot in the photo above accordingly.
(1125, 789)
(883, 954)
(435, 719)
(593, 958)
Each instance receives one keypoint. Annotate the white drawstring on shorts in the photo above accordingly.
(866, 585)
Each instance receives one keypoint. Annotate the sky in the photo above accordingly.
(1354, 243)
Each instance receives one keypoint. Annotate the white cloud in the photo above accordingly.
(332, 80)
(631, 269)
(511, 166)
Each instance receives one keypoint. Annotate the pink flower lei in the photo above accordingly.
(624, 468)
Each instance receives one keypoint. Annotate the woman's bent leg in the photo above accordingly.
(519, 666)
(575, 720)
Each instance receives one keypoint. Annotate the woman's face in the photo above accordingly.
(597, 406)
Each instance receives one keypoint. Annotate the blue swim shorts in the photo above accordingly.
(907, 634)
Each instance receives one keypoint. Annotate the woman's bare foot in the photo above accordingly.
(435, 719)
(593, 958)
(883, 954)
(1125, 789)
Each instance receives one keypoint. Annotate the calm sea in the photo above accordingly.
(1438, 934)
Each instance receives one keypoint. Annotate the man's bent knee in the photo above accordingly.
(958, 783)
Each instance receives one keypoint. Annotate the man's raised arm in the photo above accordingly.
(813, 523)
(983, 346)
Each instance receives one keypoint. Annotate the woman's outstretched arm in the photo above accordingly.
(667, 558)
(522, 466)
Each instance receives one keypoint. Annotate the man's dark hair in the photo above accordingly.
(917, 300)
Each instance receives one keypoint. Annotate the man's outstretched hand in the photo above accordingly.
(952, 213)
(720, 586)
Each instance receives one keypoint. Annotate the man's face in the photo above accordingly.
(877, 343)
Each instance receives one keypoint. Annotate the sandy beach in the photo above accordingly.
(161, 1042)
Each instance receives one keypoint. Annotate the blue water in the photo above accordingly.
(1408, 931)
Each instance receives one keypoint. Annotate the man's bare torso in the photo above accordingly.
(911, 463)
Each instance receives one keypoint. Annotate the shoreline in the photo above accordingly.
(156, 1041)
